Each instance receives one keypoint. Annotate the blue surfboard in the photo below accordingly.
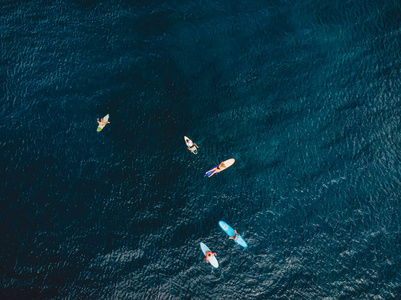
(230, 231)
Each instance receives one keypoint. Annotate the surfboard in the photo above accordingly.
(228, 163)
(105, 119)
(212, 259)
(193, 149)
(230, 231)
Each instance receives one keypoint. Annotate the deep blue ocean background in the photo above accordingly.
(305, 95)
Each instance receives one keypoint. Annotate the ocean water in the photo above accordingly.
(305, 95)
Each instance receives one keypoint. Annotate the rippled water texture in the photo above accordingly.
(305, 95)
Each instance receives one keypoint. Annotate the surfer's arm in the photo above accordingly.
(196, 145)
(99, 121)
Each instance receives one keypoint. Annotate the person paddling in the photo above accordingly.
(191, 144)
(215, 170)
(102, 123)
(235, 236)
(209, 254)
(221, 166)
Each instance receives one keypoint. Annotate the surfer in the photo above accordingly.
(209, 254)
(190, 144)
(102, 123)
(221, 166)
(235, 236)
(215, 170)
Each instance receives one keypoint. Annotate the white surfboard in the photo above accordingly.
(105, 119)
(212, 259)
(193, 149)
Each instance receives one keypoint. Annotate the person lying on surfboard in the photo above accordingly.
(102, 123)
(235, 236)
(217, 169)
(209, 254)
(190, 144)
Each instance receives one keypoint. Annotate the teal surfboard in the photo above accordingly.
(230, 232)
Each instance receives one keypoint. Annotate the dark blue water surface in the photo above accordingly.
(305, 95)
